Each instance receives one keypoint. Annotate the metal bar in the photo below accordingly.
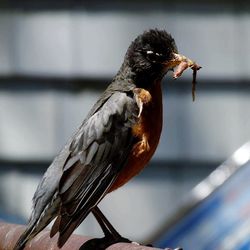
(206, 187)
(26, 82)
(9, 233)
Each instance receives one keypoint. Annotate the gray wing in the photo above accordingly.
(46, 192)
(98, 152)
(81, 174)
(45, 200)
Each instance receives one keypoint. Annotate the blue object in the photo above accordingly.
(9, 218)
(221, 220)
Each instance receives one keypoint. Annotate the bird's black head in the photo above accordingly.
(149, 54)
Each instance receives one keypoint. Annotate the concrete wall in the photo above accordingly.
(93, 43)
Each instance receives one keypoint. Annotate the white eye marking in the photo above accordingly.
(150, 52)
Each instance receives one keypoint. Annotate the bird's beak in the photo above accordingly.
(182, 63)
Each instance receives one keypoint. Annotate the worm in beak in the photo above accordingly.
(182, 63)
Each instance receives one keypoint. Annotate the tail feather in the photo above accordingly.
(67, 226)
(55, 227)
(37, 223)
(26, 235)
(32, 230)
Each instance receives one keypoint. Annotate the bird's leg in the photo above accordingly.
(106, 226)
(111, 236)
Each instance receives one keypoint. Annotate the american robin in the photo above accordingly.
(114, 143)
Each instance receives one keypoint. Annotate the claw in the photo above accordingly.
(102, 243)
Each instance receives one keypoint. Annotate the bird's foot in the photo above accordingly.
(103, 243)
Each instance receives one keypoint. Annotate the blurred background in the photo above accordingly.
(56, 57)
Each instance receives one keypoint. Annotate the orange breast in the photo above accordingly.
(150, 125)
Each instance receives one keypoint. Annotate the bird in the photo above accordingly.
(114, 143)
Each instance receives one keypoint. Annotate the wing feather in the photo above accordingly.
(99, 150)
(69, 183)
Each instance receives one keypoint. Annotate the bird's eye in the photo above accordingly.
(154, 56)
(150, 52)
